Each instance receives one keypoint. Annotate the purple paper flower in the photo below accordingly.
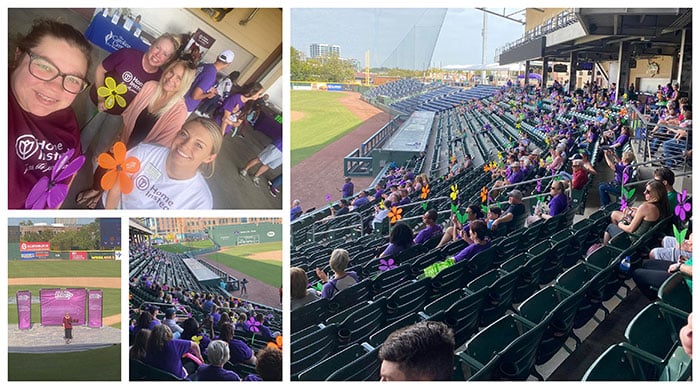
(683, 207)
(328, 197)
(623, 203)
(388, 264)
(538, 188)
(50, 192)
(625, 176)
(253, 325)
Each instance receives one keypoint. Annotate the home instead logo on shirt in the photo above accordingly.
(28, 146)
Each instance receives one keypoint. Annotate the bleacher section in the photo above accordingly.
(512, 307)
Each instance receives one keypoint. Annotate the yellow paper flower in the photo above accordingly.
(395, 214)
(112, 93)
(455, 192)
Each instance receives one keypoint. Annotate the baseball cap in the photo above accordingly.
(516, 193)
(226, 56)
(169, 311)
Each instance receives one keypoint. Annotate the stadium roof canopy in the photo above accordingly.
(595, 34)
(514, 67)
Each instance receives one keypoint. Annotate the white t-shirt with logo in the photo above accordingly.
(153, 189)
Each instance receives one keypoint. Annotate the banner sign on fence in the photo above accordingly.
(24, 309)
(78, 256)
(56, 302)
(27, 255)
(95, 308)
(34, 246)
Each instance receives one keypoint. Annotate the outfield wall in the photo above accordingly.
(14, 253)
(242, 234)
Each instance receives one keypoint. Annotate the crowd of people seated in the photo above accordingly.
(174, 326)
(558, 147)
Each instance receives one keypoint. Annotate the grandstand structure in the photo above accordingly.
(539, 296)
(184, 275)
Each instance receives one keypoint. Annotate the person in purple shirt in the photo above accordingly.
(348, 188)
(236, 107)
(341, 279)
(478, 234)
(558, 204)
(431, 229)
(361, 200)
(217, 356)
(268, 367)
(619, 166)
(203, 86)
(400, 238)
(621, 140)
(239, 351)
(296, 210)
(165, 353)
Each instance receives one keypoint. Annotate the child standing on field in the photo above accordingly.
(68, 327)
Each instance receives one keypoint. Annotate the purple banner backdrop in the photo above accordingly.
(56, 302)
(95, 308)
(24, 309)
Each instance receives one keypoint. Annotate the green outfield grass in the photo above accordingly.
(267, 271)
(63, 268)
(325, 121)
(180, 248)
(102, 364)
(111, 302)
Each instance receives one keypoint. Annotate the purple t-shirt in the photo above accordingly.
(204, 80)
(170, 357)
(393, 249)
(470, 251)
(231, 104)
(216, 373)
(427, 233)
(330, 288)
(515, 176)
(35, 143)
(125, 66)
(348, 189)
(240, 352)
(360, 201)
(621, 140)
(619, 172)
(558, 204)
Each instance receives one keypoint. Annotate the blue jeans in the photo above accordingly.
(605, 189)
(673, 148)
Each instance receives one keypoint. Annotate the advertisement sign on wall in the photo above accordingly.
(34, 246)
(78, 255)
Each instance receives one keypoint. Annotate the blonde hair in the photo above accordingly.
(628, 156)
(339, 260)
(217, 139)
(185, 83)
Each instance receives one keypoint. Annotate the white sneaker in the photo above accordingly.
(243, 173)
(256, 181)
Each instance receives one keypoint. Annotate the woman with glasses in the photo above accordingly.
(654, 208)
(155, 115)
(558, 204)
(50, 69)
(118, 79)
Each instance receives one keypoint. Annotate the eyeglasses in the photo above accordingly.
(45, 70)
(646, 191)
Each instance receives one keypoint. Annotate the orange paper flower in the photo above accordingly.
(277, 343)
(484, 194)
(119, 167)
(395, 214)
(424, 192)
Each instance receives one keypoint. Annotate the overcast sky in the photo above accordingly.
(381, 30)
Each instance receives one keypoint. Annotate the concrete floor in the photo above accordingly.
(230, 191)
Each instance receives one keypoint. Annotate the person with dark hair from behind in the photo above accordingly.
(668, 178)
(268, 367)
(420, 352)
(478, 235)
(217, 356)
(400, 238)
(431, 229)
(137, 351)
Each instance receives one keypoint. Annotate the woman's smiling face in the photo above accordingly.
(39, 97)
(192, 147)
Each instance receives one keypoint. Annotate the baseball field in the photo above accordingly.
(318, 119)
(262, 261)
(78, 361)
